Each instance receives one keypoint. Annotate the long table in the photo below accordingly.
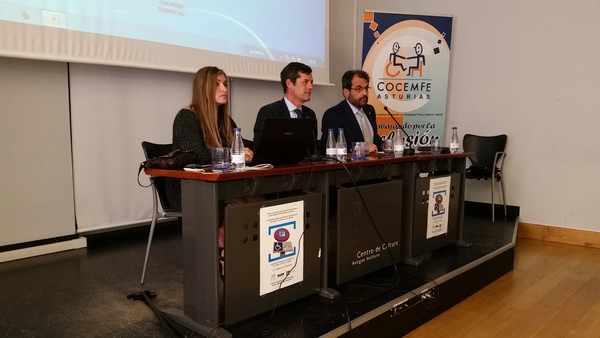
(204, 196)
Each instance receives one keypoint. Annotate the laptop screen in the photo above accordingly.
(286, 141)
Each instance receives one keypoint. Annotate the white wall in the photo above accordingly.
(36, 187)
(113, 110)
(528, 69)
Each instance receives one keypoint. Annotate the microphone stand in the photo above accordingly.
(407, 151)
(396, 121)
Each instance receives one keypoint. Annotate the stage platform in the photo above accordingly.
(82, 293)
(392, 302)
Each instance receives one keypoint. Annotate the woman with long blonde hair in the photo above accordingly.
(206, 123)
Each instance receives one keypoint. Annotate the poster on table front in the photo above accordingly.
(408, 59)
(437, 216)
(281, 246)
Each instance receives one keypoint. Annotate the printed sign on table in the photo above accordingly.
(439, 196)
(281, 247)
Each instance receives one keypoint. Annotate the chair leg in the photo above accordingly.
(151, 234)
(503, 196)
(493, 205)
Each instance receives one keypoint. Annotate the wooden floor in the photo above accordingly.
(554, 291)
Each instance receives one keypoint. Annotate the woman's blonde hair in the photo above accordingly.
(206, 109)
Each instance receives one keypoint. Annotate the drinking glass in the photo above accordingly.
(388, 147)
(435, 146)
(359, 151)
(221, 158)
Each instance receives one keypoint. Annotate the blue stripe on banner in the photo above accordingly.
(282, 256)
(282, 225)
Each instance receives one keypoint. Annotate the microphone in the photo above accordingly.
(393, 118)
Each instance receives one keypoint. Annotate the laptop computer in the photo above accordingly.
(286, 141)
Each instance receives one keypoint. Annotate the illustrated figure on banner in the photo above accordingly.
(395, 60)
(438, 207)
(419, 57)
(394, 56)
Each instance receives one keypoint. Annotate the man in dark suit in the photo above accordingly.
(353, 114)
(297, 83)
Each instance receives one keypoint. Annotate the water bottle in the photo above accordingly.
(454, 143)
(238, 161)
(398, 143)
(331, 146)
(342, 149)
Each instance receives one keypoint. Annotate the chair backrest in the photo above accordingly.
(168, 189)
(483, 149)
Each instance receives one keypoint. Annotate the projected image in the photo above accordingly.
(266, 29)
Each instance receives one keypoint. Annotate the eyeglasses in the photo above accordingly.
(360, 89)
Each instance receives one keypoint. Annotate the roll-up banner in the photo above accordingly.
(408, 59)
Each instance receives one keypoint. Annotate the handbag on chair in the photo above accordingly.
(176, 159)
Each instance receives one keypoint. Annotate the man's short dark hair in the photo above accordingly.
(349, 75)
(292, 72)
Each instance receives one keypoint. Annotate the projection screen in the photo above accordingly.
(248, 39)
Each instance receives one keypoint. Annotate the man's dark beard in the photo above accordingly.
(360, 102)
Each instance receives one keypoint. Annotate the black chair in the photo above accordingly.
(164, 189)
(487, 161)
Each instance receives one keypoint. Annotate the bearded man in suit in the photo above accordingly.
(353, 114)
